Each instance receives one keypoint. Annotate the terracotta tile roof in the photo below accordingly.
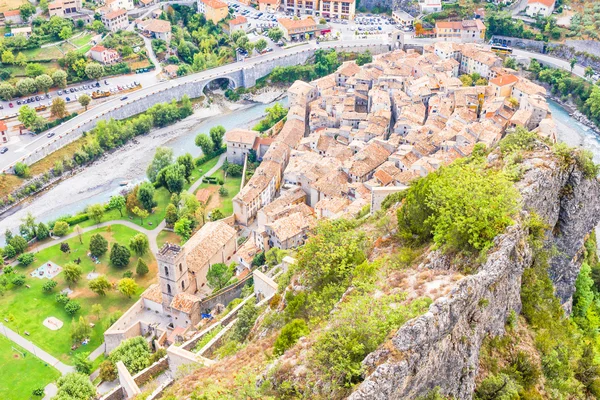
(504, 80)
(3, 126)
(239, 20)
(240, 136)
(12, 13)
(207, 242)
(268, 1)
(292, 225)
(184, 302)
(99, 48)
(214, 3)
(306, 23)
(156, 25)
(547, 3)
(116, 13)
(349, 68)
(153, 293)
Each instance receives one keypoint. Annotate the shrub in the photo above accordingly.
(49, 285)
(119, 255)
(18, 280)
(26, 259)
(76, 219)
(289, 335)
(21, 170)
(108, 371)
(141, 267)
(60, 228)
(98, 245)
(223, 191)
(62, 298)
(134, 353)
(72, 307)
(246, 318)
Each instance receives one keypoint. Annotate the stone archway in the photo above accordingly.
(220, 83)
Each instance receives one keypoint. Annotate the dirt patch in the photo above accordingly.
(205, 195)
(215, 200)
(16, 356)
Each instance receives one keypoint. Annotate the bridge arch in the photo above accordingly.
(220, 82)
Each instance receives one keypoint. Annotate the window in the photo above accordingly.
(183, 285)
(166, 271)
(168, 288)
(180, 268)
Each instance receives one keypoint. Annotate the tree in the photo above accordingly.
(59, 78)
(510, 62)
(140, 212)
(42, 231)
(481, 82)
(216, 135)
(7, 91)
(183, 228)
(65, 248)
(84, 100)
(275, 256)
(119, 255)
(97, 310)
(49, 285)
(246, 318)
(26, 116)
(174, 178)
(108, 371)
(8, 57)
(234, 170)
(58, 108)
(139, 244)
(289, 335)
(72, 307)
(72, 272)
(9, 252)
(275, 34)
(26, 259)
(75, 385)
(79, 233)
(187, 161)
(593, 102)
(572, 63)
(19, 244)
(141, 267)
(205, 143)
(94, 71)
(44, 82)
(80, 330)
(22, 170)
(33, 70)
(134, 353)
(171, 214)
(98, 245)
(162, 158)
(96, 212)
(99, 285)
(127, 286)
(18, 280)
(258, 259)
(260, 45)
(145, 195)
(364, 58)
(466, 80)
(60, 228)
(216, 215)
(65, 33)
(82, 363)
(223, 191)
(26, 86)
(29, 223)
(218, 275)
(117, 202)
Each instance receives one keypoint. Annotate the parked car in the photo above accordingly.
(10, 105)
(68, 99)
(60, 92)
(124, 98)
(18, 102)
(50, 134)
(3, 150)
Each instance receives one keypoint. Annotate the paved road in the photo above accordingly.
(36, 351)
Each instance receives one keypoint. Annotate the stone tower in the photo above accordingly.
(172, 272)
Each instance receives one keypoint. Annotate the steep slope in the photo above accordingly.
(441, 348)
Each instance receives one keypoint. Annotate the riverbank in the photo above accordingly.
(576, 114)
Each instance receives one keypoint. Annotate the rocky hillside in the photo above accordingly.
(415, 300)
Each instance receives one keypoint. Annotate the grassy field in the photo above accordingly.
(82, 40)
(28, 307)
(167, 236)
(224, 203)
(21, 375)
(8, 183)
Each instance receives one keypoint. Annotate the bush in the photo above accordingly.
(21, 170)
(119, 255)
(108, 371)
(289, 335)
(18, 280)
(223, 191)
(461, 207)
(246, 318)
(98, 245)
(76, 219)
(234, 170)
(60, 228)
(141, 267)
(62, 298)
(49, 285)
(72, 307)
(134, 353)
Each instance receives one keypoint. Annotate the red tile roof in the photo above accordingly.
(12, 13)
(240, 19)
(504, 80)
(547, 3)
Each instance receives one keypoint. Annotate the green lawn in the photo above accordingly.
(201, 170)
(28, 307)
(167, 236)
(82, 40)
(224, 203)
(21, 375)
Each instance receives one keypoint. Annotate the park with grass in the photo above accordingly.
(25, 307)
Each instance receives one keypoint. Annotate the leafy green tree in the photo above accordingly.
(499, 386)
(140, 212)
(139, 244)
(572, 63)
(117, 203)
(260, 45)
(7, 91)
(171, 215)
(466, 80)
(58, 108)
(119, 255)
(583, 296)
(127, 286)
(82, 363)
(145, 196)
(108, 371)
(96, 212)
(19, 244)
(42, 231)
(22, 170)
(9, 252)
(246, 319)
(98, 245)
(26, 115)
(75, 385)
(134, 353)
(593, 102)
(364, 58)
(8, 57)
(275, 34)
(99, 285)
(216, 135)
(18, 280)
(65, 33)
(289, 335)
(72, 307)
(258, 259)
(84, 100)
(588, 72)
(62, 298)
(65, 248)
(275, 256)
(216, 215)
(26, 259)
(206, 144)
(141, 267)
(60, 228)
(72, 272)
(187, 161)
(59, 78)
(183, 228)
(162, 158)
(44, 82)
(34, 70)
(49, 285)
(218, 275)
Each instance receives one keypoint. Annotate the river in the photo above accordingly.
(96, 185)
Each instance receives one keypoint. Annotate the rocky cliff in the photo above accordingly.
(441, 348)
